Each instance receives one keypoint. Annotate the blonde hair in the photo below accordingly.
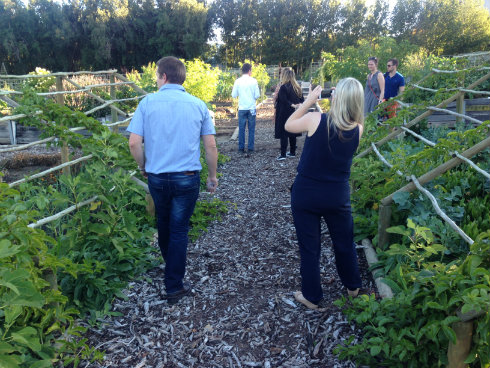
(287, 76)
(347, 105)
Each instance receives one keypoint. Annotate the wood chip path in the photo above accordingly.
(243, 272)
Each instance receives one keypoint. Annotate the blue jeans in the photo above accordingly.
(175, 196)
(243, 117)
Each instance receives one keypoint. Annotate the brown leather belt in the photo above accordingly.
(189, 173)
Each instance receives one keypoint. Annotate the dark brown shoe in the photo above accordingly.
(173, 298)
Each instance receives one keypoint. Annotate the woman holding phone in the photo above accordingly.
(321, 188)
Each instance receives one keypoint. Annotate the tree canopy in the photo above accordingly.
(126, 34)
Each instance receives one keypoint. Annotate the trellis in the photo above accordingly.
(463, 329)
(59, 94)
(416, 183)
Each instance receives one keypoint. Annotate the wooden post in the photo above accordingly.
(384, 221)
(457, 353)
(115, 128)
(150, 207)
(460, 104)
(64, 147)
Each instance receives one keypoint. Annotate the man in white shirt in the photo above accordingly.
(246, 89)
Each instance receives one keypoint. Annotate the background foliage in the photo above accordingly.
(125, 34)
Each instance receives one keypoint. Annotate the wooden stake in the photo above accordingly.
(65, 155)
(460, 104)
(384, 221)
(115, 128)
(457, 353)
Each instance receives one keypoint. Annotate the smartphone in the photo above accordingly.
(326, 93)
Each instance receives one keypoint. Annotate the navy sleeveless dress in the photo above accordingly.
(321, 190)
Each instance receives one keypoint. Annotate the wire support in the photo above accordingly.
(455, 154)
(459, 71)
(53, 169)
(451, 90)
(62, 213)
(79, 205)
(440, 212)
(472, 164)
(383, 160)
(426, 141)
(466, 117)
(119, 122)
(6, 92)
(59, 74)
(110, 102)
(424, 88)
(25, 146)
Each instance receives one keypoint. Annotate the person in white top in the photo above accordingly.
(246, 89)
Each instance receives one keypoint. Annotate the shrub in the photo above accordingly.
(201, 80)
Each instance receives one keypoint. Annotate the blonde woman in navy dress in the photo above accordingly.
(321, 188)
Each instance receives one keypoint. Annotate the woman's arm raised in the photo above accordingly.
(302, 121)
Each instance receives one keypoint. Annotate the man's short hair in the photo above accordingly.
(173, 68)
(246, 68)
(394, 62)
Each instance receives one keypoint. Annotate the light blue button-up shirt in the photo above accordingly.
(171, 122)
(246, 89)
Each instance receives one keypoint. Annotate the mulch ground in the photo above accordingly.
(243, 272)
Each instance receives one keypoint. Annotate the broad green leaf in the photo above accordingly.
(6, 348)
(435, 305)
(449, 332)
(26, 295)
(392, 284)
(402, 230)
(101, 229)
(7, 249)
(45, 363)
(11, 313)
(115, 242)
(375, 350)
(27, 337)
(9, 361)
(401, 198)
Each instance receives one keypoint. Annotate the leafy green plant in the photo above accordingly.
(76, 265)
(146, 79)
(225, 86)
(413, 328)
(201, 79)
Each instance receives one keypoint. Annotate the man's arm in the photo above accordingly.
(136, 149)
(401, 89)
(212, 161)
(256, 91)
(234, 92)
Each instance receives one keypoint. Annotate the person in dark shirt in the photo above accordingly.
(289, 96)
(394, 85)
(321, 188)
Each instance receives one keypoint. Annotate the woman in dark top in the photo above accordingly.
(288, 97)
(321, 188)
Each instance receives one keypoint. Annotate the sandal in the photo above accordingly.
(298, 295)
(353, 293)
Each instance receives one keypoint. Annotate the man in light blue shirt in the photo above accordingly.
(171, 123)
(246, 89)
